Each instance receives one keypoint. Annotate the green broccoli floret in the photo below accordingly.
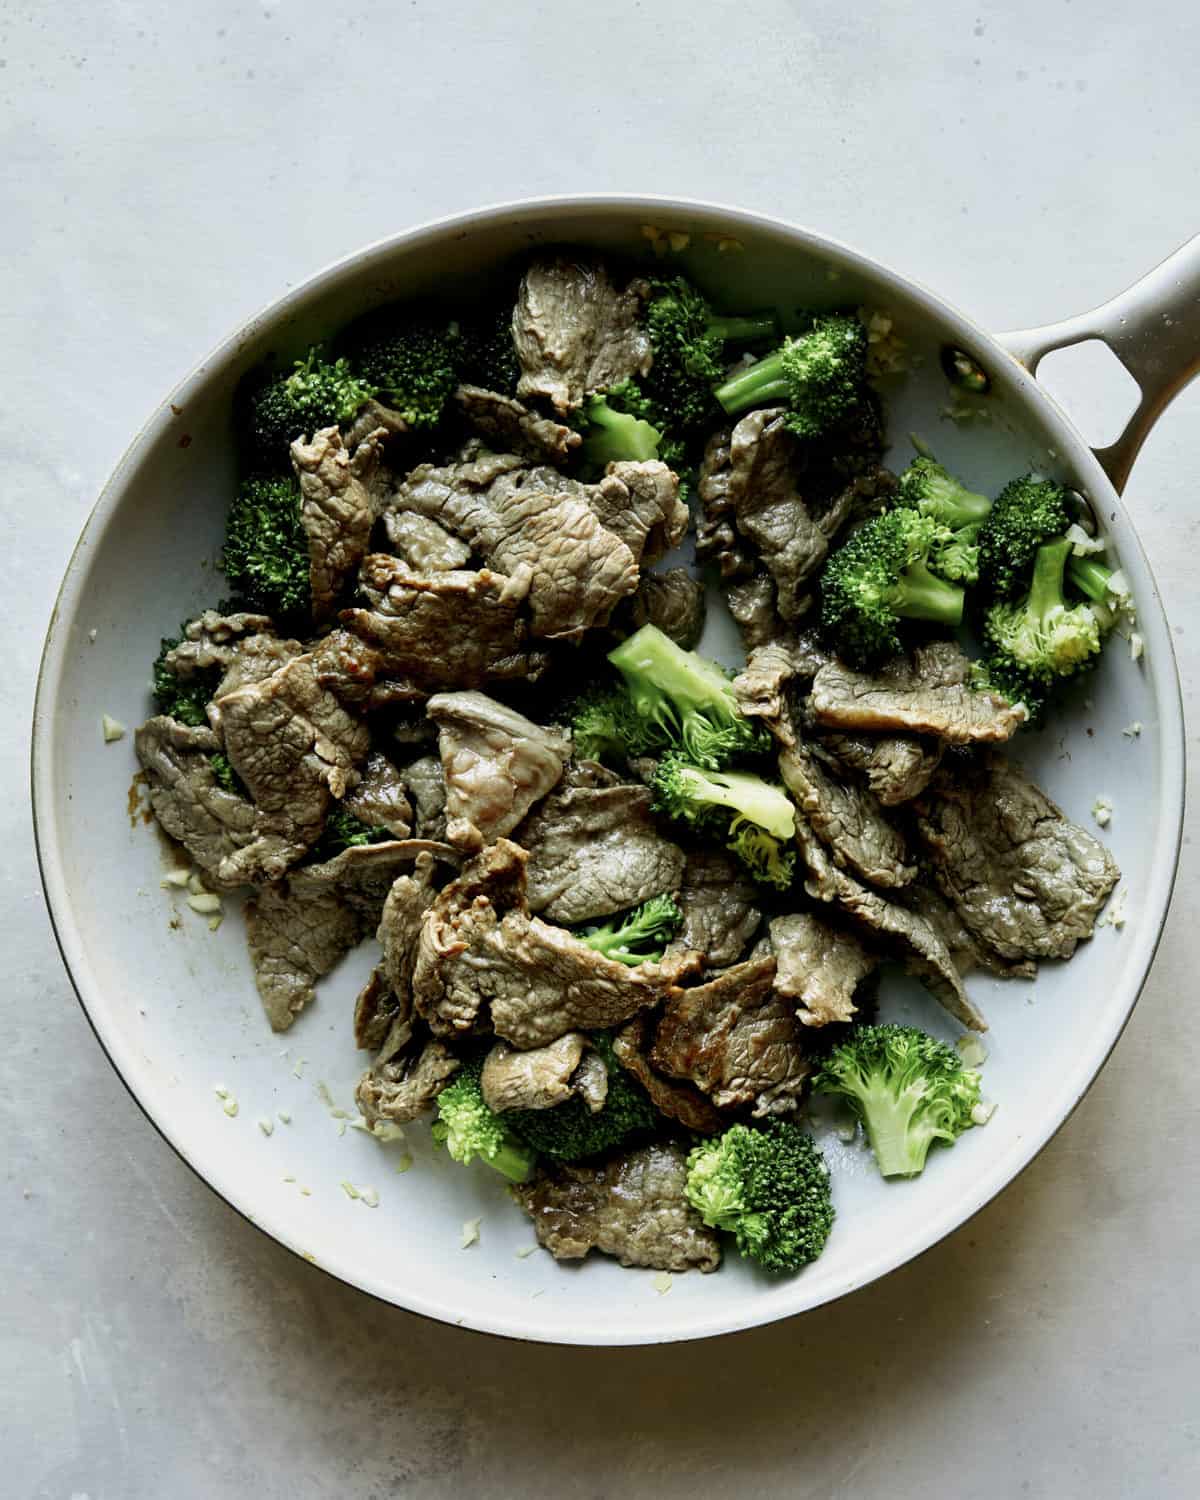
(411, 363)
(820, 375)
(763, 822)
(571, 1132)
(468, 1128)
(182, 698)
(266, 551)
(638, 937)
(487, 355)
(344, 831)
(602, 725)
(1026, 513)
(907, 1088)
(611, 435)
(1042, 636)
(681, 700)
(880, 577)
(319, 392)
(930, 490)
(769, 1187)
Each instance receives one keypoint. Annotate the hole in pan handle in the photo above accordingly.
(1153, 327)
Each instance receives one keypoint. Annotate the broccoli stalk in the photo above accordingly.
(266, 550)
(469, 1129)
(880, 577)
(1090, 577)
(640, 936)
(908, 1089)
(1026, 513)
(930, 490)
(763, 824)
(820, 375)
(1043, 637)
(679, 699)
(611, 435)
(573, 1132)
(769, 1187)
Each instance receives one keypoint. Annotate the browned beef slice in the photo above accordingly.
(717, 899)
(537, 1079)
(497, 764)
(1027, 882)
(373, 419)
(751, 602)
(764, 685)
(426, 783)
(892, 929)
(375, 1011)
(336, 509)
(674, 601)
(379, 799)
(897, 767)
(481, 951)
(819, 967)
(927, 693)
(924, 897)
(511, 427)
(424, 545)
(405, 1087)
(736, 1039)
(717, 538)
(211, 639)
(596, 850)
(677, 1100)
(632, 1205)
(399, 930)
(576, 333)
(848, 819)
(252, 659)
(639, 502)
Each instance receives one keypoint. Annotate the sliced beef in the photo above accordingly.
(735, 1039)
(537, 1079)
(337, 510)
(596, 850)
(924, 897)
(1026, 881)
(720, 916)
(379, 799)
(575, 332)
(717, 538)
(591, 1082)
(927, 693)
(674, 601)
(678, 1101)
(373, 419)
(497, 764)
(511, 427)
(819, 967)
(399, 930)
(848, 819)
(252, 659)
(896, 767)
(632, 1205)
(405, 1087)
(640, 504)
(889, 927)
(762, 688)
(424, 545)
(480, 951)
(211, 640)
(375, 1011)
(426, 783)
(751, 602)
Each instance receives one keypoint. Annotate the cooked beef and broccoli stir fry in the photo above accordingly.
(630, 907)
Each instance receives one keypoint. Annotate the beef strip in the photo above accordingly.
(892, 929)
(896, 767)
(632, 1205)
(819, 967)
(537, 1079)
(424, 545)
(379, 800)
(674, 601)
(735, 1039)
(426, 783)
(252, 659)
(336, 509)
(480, 950)
(373, 419)
(594, 851)
(591, 1082)
(751, 602)
(405, 1087)
(375, 1011)
(927, 901)
(762, 688)
(212, 639)
(511, 427)
(639, 502)
(678, 1101)
(497, 764)
(576, 333)
(848, 820)
(717, 899)
(1026, 881)
(717, 538)
(927, 693)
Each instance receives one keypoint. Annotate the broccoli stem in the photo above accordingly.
(743, 330)
(921, 595)
(1089, 577)
(511, 1161)
(756, 385)
(900, 1150)
(1046, 588)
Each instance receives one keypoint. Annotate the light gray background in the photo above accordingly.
(164, 171)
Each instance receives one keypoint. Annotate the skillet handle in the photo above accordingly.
(1153, 328)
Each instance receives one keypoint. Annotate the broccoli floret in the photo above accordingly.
(571, 1132)
(930, 490)
(639, 936)
(266, 551)
(1026, 513)
(681, 700)
(411, 363)
(769, 1187)
(763, 822)
(487, 355)
(319, 392)
(602, 726)
(344, 831)
(908, 1089)
(468, 1128)
(1043, 637)
(182, 698)
(880, 577)
(610, 434)
(820, 375)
